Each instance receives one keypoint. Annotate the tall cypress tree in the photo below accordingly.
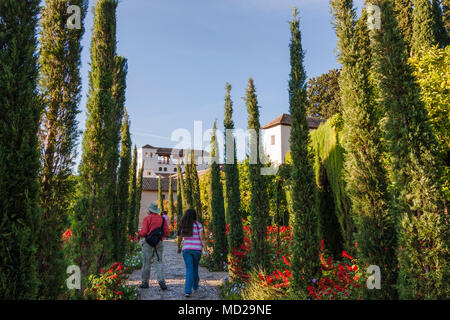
(20, 110)
(179, 194)
(120, 225)
(138, 197)
(60, 82)
(171, 209)
(188, 202)
(233, 199)
(423, 36)
(404, 14)
(112, 154)
(133, 215)
(92, 224)
(196, 202)
(365, 177)
(440, 33)
(258, 201)
(160, 195)
(415, 171)
(305, 258)
(217, 208)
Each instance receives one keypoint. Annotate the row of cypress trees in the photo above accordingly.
(39, 108)
(392, 169)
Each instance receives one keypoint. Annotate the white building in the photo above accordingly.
(276, 136)
(163, 162)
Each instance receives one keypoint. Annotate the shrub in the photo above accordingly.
(110, 285)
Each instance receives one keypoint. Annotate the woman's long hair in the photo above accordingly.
(186, 227)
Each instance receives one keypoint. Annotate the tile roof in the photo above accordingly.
(285, 119)
(151, 184)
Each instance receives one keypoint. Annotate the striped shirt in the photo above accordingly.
(194, 242)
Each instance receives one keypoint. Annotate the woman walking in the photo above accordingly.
(191, 231)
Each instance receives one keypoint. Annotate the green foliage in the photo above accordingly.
(121, 219)
(60, 84)
(323, 95)
(133, 205)
(197, 204)
(20, 110)
(138, 197)
(160, 195)
(431, 73)
(404, 14)
(110, 285)
(220, 244)
(171, 207)
(255, 291)
(423, 36)
(180, 194)
(414, 168)
(305, 261)
(92, 225)
(233, 197)
(330, 154)
(440, 34)
(244, 187)
(258, 200)
(366, 177)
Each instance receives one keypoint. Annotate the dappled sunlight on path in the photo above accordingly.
(174, 272)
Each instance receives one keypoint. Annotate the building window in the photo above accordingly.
(272, 140)
(160, 169)
(146, 154)
(151, 154)
(174, 169)
(165, 169)
(149, 173)
(164, 197)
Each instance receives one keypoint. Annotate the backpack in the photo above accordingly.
(154, 237)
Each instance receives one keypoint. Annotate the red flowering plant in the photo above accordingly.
(206, 260)
(339, 280)
(110, 285)
(66, 237)
(237, 259)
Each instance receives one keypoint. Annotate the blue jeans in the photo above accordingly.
(191, 259)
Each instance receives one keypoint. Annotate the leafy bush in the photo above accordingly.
(110, 285)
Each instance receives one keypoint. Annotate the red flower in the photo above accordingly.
(345, 254)
(286, 261)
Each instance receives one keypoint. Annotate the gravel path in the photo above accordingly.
(174, 272)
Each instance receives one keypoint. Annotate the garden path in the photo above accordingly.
(174, 272)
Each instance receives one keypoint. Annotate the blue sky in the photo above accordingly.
(181, 53)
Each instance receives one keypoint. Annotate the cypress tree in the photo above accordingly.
(133, 214)
(138, 197)
(404, 14)
(305, 258)
(112, 154)
(92, 222)
(160, 195)
(423, 36)
(258, 201)
(20, 110)
(366, 177)
(60, 84)
(217, 208)
(179, 194)
(233, 199)
(416, 189)
(188, 202)
(440, 34)
(120, 225)
(195, 188)
(171, 209)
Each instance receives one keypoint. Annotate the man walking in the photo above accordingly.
(153, 255)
